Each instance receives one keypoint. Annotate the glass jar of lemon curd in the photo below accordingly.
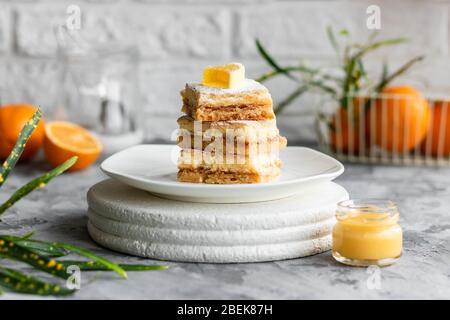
(367, 233)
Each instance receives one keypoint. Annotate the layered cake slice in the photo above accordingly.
(229, 133)
(252, 101)
(237, 136)
(208, 167)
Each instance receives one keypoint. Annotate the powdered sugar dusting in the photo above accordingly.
(249, 85)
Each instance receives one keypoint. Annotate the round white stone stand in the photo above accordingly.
(136, 222)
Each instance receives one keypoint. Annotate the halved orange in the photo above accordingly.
(13, 118)
(64, 140)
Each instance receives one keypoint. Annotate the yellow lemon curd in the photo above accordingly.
(227, 76)
(367, 233)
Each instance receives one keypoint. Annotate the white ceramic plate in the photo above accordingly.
(153, 168)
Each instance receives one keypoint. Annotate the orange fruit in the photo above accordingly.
(13, 118)
(399, 121)
(439, 134)
(345, 126)
(64, 140)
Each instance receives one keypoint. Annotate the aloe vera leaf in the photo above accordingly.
(348, 82)
(384, 72)
(344, 32)
(37, 246)
(362, 69)
(333, 41)
(351, 62)
(19, 282)
(263, 52)
(324, 87)
(36, 183)
(373, 35)
(94, 266)
(376, 45)
(16, 152)
(27, 235)
(302, 69)
(92, 256)
(389, 78)
(386, 79)
(275, 73)
(10, 250)
(42, 248)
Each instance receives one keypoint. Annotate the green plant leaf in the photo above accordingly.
(274, 73)
(19, 282)
(37, 253)
(386, 79)
(17, 151)
(39, 247)
(290, 98)
(93, 266)
(10, 250)
(92, 256)
(27, 235)
(328, 89)
(384, 72)
(333, 40)
(263, 52)
(344, 32)
(362, 68)
(353, 66)
(379, 44)
(355, 78)
(373, 35)
(36, 184)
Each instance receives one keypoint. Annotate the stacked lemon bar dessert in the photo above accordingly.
(228, 133)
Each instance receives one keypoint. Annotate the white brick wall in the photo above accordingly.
(5, 32)
(176, 38)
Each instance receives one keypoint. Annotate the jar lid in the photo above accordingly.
(369, 209)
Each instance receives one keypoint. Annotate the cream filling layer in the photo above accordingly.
(266, 164)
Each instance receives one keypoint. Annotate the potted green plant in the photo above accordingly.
(348, 93)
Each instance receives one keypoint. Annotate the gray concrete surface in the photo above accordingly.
(58, 212)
